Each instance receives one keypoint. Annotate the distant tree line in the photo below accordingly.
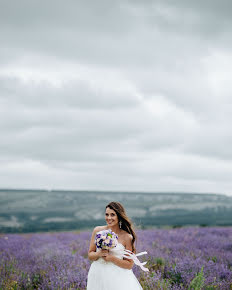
(173, 218)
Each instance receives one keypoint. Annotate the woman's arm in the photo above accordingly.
(125, 263)
(92, 254)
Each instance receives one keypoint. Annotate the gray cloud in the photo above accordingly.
(120, 34)
(78, 93)
(116, 95)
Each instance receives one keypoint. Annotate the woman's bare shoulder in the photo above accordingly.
(126, 239)
(99, 228)
(127, 236)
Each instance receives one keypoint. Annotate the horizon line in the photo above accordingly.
(111, 191)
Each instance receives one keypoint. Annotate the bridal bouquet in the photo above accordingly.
(106, 239)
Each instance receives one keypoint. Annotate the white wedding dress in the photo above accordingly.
(108, 276)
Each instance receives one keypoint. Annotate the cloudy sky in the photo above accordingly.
(116, 95)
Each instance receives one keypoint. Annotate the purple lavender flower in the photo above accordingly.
(175, 257)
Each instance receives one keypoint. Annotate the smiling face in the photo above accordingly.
(111, 217)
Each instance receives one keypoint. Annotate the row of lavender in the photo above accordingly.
(176, 258)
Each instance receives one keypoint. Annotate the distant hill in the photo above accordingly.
(41, 210)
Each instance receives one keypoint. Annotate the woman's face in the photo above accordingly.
(111, 217)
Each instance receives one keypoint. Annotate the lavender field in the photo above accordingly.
(181, 258)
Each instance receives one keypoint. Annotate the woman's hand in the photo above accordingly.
(106, 255)
(109, 258)
(103, 253)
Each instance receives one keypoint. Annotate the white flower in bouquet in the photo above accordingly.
(106, 239)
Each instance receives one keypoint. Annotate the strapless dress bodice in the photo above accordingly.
(116, 251)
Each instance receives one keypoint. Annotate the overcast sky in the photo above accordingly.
(116, 95)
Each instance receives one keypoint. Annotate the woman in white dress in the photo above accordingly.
(110, 270)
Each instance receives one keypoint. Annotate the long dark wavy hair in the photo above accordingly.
(126, 222)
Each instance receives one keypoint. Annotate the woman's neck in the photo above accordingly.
(115, 229)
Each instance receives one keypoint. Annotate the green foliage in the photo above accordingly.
(159, 261)
(175, 277)
(164, 284)
(149, 281)
(198, 282)
(74, 252)
(36, 280)
(214, 259)
(156, 264)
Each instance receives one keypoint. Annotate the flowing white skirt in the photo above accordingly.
(108, 276)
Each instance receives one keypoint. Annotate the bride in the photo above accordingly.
(110, 269)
